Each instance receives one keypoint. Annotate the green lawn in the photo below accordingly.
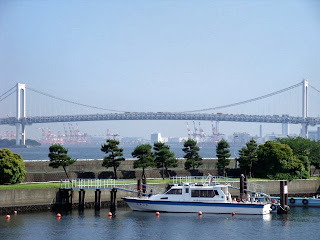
(57, 185)
(30, 186)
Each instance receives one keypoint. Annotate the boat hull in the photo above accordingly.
(300, 202)
(138, 204)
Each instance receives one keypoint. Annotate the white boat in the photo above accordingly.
(195, 197)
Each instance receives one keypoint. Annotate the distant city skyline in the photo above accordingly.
(159, 56)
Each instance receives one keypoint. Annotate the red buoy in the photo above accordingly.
(15, 212)
(110, 214)
(199, 213)
(59, 215)
(8, 216)
(233, 213)
(157, 214)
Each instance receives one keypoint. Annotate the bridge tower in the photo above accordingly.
(305, 86)
(21, 113)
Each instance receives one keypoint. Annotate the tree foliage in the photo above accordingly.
(306, 150)
(164, 158)
(145, 157)
(277, 161)
(58, 156)
(114, 155)
(191, 150)
(248, 156)
(12, 168)
(223, 154)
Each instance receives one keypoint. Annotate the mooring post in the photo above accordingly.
(97, 199)
(283, 208)
(139, 187)
(245, 185)
(81, 199)
(69, 199)
(144, 185)
(241, 186)
(113, 200)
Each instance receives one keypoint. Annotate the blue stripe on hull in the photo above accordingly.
(171, 203)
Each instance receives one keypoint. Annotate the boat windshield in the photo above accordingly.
(174, 191)
(225, 190)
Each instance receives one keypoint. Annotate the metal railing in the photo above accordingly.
(211, 180)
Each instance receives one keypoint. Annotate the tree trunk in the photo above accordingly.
(167, 172)
(115, 172)
(66, 173)
(162, 172)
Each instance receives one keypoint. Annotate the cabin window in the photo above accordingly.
(175, 191)
(202, 193)
(216, 192)
(187, 190)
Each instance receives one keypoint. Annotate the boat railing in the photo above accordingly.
(95, 183)
(210, 180)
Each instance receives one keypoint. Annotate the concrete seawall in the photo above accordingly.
(39, 171)
(46, 197)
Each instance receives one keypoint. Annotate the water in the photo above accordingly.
(301, 223)
(94, 152)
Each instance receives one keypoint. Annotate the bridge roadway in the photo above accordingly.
(311, 121)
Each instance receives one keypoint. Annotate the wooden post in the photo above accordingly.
(81, 199)
(241, 186)
(139, 187)
(113, 200)
(69, 201)
(245, 186)
(144, 185)
(97, 199)
(283, 208)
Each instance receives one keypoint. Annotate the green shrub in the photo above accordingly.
(12, 168)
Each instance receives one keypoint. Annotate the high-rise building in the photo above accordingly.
(156, 137)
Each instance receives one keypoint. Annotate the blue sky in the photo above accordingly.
(159, 56)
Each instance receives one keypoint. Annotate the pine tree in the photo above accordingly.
(59, 157)
(164, 158)
(223, 154)
(248, 156)
(145, 157)
(191, 151)
(114, 155)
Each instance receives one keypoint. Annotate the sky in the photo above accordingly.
(158, 56)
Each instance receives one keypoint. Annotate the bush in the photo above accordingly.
(12, 168)
(277, 161)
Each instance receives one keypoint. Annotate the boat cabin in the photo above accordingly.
(195, 192)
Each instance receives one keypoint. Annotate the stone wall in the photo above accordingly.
(39, 171)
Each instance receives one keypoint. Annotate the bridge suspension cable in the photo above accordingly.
(7, 93)
(72, 102)
(314, 88)
(246, 101)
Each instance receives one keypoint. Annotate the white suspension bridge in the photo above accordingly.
(21, 120)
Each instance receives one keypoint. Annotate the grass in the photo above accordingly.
(29, 186)
(57, 185)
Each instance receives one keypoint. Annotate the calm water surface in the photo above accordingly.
(94, 152)
(301, 223)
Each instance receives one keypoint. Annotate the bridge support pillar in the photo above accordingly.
(304, 130)
(305, 87)
(97, 199)
(285, 129)
(82, 194)
(21, 113)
